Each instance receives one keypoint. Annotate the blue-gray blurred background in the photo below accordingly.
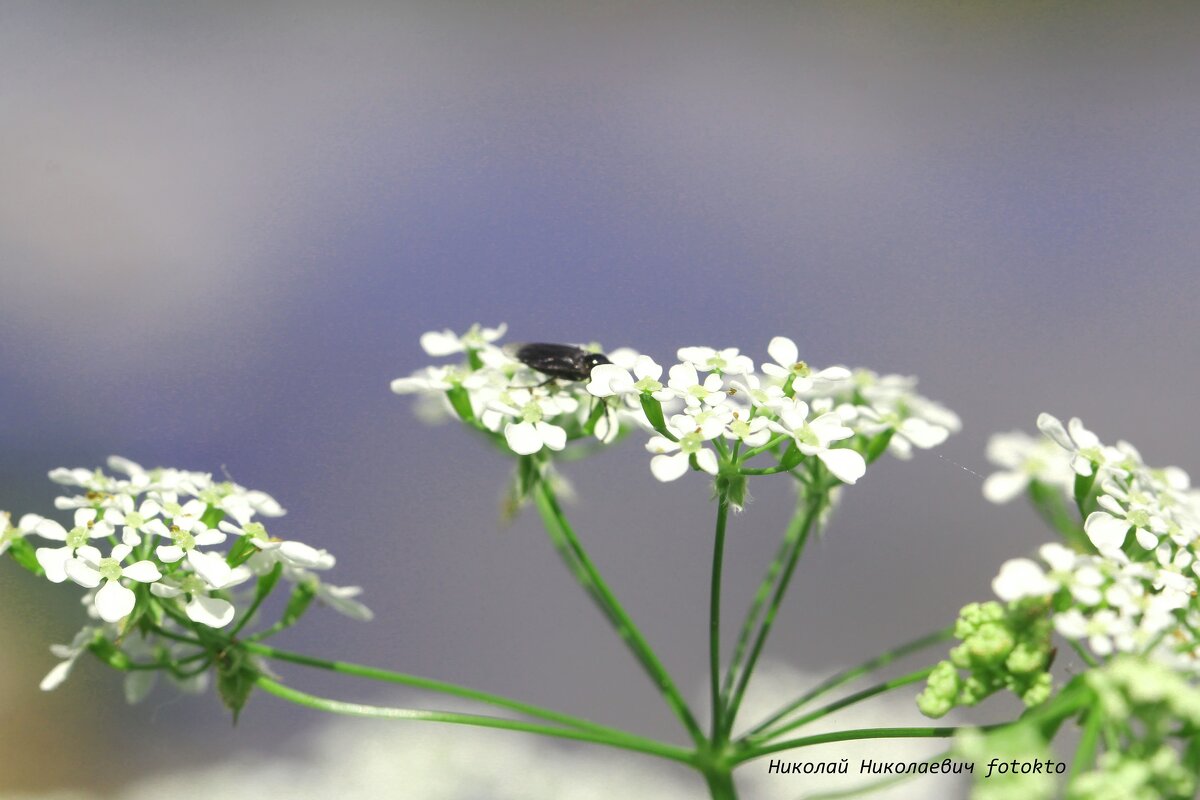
(223, 227)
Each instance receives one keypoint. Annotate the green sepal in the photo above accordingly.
(1083, 488)
(266, 584)
(235, 679)
(109, 653)
(474, 359)
(241, 551)
(212, 516)
(460, 401)
(877, 445)
(654, 414)
(791, 457)
(25, 554)
(298, 603)
(733, 486)
(589, 425)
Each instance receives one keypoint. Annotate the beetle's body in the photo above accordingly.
(558, 361)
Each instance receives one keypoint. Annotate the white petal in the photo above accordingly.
(211, 611)
(55, 677)
(922, 434)
(114, 601)
(162, 590)
(668, 468)
(209, 537)
(210, 567)
(522, 438)
(1022, 577)
(1106, 531)
(82, 574)
(306, 556)
(142, 572)
(168, 553)
(50, 529)
(54, 562)
(846, 465)
(609, 379)
(1052, 427)
(783, 350)
(1000, 487)
(552, 436)
(645, 367)
(120, 551)
(707, 460)
(440, 343)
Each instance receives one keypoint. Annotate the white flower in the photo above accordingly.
(1024, 459)
(113, 600)
(70, 653)
(672, 459)
(725, 362)
(1084, 446)
(768, 397)
(1022, 577)
(291, 553)
(754, 431)
(1108, 528)
(9, 534)
(1103, 630)
(813, 438)
(135, 521)
(531, 432)
(54, 559)
(608, 380)
(341, 599)
(685, 383)
(446, 342)
(786, 355)
(215, 612)
(209, 566)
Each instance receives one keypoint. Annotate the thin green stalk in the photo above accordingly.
(847, 736)
(760, 599)
(714, 615)
(778, 440)
(845, 676)
(763, 470)
(815, 502)
(552, 515)
(429, 684)
(849, 700)
(1085, 753)
(635, 744)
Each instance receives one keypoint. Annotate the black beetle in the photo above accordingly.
(562, 361)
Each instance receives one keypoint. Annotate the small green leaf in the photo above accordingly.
(25, 555)
(654, 414)
(298, 603)
(235, 680)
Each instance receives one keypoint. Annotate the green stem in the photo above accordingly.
(1085, 753)
(589, 576)
(636, 744)
(834, 681)
(714, 615)
(760, 598)
(720, 784)
(749, 454)
(849, 700)
(846, 736)
(429, 684)
(815, 501)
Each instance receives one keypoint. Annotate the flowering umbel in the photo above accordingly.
(713, 414)
(164, 555)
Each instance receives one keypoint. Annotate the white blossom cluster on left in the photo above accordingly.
(162, 552)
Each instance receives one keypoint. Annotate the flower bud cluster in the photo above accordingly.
(1002, 647)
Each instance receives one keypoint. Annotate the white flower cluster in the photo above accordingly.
(1135, 590)
(140, 538)
(712, 412)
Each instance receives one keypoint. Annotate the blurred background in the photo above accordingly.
(224, 226)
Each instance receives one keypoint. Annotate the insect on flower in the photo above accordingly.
(558, 361)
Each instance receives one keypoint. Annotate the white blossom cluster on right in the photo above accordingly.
(1134, 590)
